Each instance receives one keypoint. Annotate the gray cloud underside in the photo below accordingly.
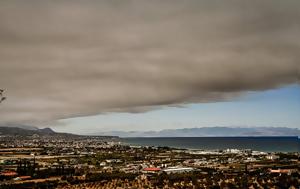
(61, 59)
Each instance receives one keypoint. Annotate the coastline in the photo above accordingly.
(264, 144)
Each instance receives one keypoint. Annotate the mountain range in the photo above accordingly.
(24, 130)
(28, 131)
(208, 132)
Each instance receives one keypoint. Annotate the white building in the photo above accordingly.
(178, 170)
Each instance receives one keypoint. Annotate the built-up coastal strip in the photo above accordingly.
(52, 161)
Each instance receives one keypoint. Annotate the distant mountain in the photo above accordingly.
(25, 131)
(27, 127)
(46, 131)
(209, 132)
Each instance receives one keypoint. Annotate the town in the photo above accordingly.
(59, 161)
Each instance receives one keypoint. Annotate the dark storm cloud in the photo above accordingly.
(61, 59)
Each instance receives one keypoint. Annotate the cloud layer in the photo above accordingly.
(61, 59)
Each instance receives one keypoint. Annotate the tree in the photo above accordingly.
(2, 98)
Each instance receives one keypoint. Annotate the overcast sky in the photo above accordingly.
(69, 59)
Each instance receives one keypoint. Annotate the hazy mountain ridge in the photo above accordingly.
(24, 130)
(208, 132)
(27, 127)
(27, 131)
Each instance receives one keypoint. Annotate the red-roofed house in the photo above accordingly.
(151, 170)
(9, 173)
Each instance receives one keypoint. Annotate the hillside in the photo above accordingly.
(5, 130)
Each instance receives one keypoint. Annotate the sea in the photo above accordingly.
(264, 144)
